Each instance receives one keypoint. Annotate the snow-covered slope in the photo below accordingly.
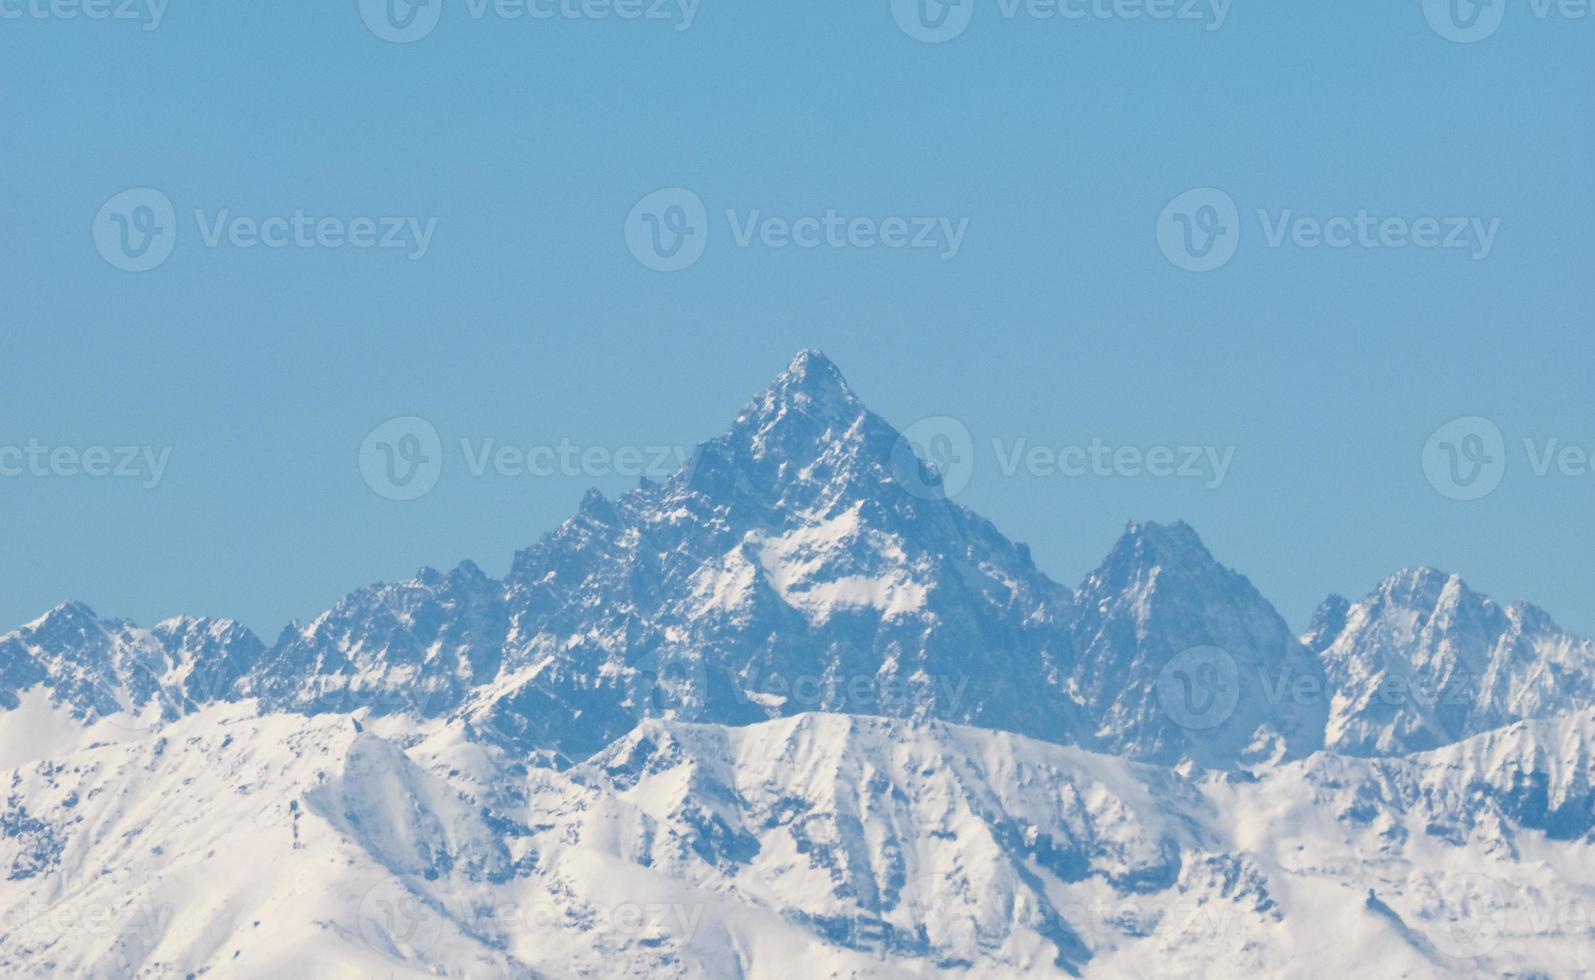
(817, 844)
(804, 561)
(792, 711)
(95, 669)
(807, 561)
(1180, 658)
(256, 846)
(1424, 661)
(418, 647)
(789, 567)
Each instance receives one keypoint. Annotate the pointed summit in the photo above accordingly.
(1161, 604)
(1150, 551)
(1423, 661)
(807, 433)
(1163, 543)
(1419, 585)
(812, 386)
(69, 623)
(810, 367)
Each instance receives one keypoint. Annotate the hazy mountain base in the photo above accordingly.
(816, 845)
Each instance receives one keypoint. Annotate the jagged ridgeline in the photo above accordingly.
(805, 561)
(793, 711)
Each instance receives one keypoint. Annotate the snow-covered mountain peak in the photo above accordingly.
(66, 618)
(93, 669)
(786, 566)
(1149, 552)
(811, 385)
(1422, 587)
(201, 629)
(1423, 661)
(810, 402)
(1180, 658)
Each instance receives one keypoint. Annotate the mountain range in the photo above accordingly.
(798, 694)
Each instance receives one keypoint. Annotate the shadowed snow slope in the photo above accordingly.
(1424, 661)
(791, 711)
(818, 844)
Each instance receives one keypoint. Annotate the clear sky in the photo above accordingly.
(1058, 319)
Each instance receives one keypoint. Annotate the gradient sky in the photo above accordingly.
(528, 321)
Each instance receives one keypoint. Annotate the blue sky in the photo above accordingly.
(1055, 143)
